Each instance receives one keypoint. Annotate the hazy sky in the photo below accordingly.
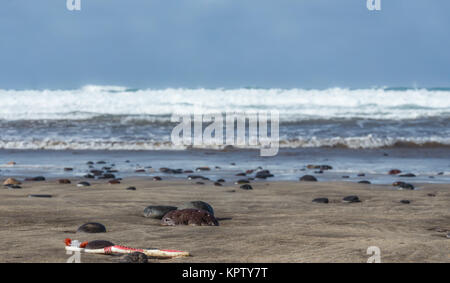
(224, 43)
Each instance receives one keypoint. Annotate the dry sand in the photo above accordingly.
(275, 222)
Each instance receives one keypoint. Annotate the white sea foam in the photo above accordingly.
(365, 142)
(293, 104)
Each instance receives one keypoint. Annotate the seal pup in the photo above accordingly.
(157, 211)
(196, 217)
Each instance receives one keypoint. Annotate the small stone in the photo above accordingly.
(246, 187)
(135, 257)
(35, 179)
(407, 175)
(11, 181)
(202, 169)
(320, 200)
(39, 196)
(64, 181)
(308, 178)
(92, 227)
(351, 199)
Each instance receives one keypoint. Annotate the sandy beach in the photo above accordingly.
(274, 222)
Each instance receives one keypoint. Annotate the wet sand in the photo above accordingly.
(275, 222)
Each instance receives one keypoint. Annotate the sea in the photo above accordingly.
(355, 131)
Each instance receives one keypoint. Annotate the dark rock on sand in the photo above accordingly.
(246, 187)
(135, 257)
(403, 185)
(83, 184)
(263, 174)
(364, 182)
(351, 199)
(64, 181)
(193, 177)
(11, 181)
(98, 244)
(157, 211)
(202, 169)
(107, 176)
(242, 181)
(308, 178)
(320, 200)
(405, 201)
(198, 204)
(407, 175)
(92, 227)
(195, 217)
(35, 179)
(39, 196)
(131, 188)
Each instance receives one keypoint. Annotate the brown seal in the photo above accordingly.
(196, 217)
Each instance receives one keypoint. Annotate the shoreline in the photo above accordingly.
(274, 222)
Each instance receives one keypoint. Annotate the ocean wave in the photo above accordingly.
(293, 104)
(365, 142)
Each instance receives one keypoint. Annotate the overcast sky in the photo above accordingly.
(224, 43)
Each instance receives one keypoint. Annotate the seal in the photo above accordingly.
(83, 184)
(198, 204)
(196, 217)
(64, 181)
(364, 182)
(92, 227)
(157, 211)
(136, 257)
